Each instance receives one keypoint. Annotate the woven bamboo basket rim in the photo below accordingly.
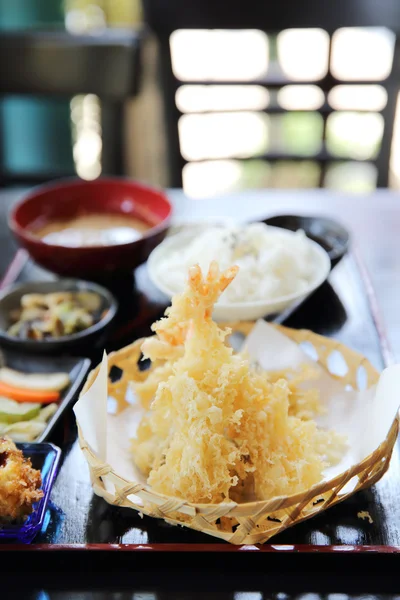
(303, 505)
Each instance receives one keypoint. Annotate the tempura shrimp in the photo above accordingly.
(195, 303)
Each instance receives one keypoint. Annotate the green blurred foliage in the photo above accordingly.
(116, 12)
(354, 135)
(302, 132)
(256, 174)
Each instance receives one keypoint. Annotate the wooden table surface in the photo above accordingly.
(373, 221)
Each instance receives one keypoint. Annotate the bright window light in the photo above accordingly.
(358, 97)
(301, 97)
(356, 135)
(210, 178)
(219, 55)
(303, 53)
(79, 19)
(362, 54)
(201, 98)
(395, 153)
(223, 135)
(247, 596)
(351, 177)
(86, 133)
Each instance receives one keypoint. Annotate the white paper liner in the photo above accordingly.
(364, 417)
(91, 412)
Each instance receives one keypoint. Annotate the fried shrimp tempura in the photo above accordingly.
(19, 482)
(217, 428)
(167, 345)
(198, 302)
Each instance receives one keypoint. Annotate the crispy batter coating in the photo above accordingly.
(218, 428)
(303, 403)
(19, 482)
(167, 345)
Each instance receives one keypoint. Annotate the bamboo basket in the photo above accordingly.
(250, 522)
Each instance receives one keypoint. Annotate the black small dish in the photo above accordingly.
(87, 339)
(77, 369)
(329, 234)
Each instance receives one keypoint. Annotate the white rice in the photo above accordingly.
(272, 263)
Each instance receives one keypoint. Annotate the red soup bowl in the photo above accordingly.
(70, 198)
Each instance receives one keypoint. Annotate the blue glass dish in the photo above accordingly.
(45, 457)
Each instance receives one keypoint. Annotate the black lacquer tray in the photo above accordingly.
(84, 532)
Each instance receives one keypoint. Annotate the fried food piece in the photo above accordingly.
(195, 305)
(303, 403)
(146, 390)
(218, 428)
(167, 346)
(19, 482)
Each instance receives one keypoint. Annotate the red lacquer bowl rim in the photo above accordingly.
(72, 182)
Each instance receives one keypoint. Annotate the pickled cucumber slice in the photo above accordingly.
(14, 412)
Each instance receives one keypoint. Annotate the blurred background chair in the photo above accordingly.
(63, 92)
(289, 94)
